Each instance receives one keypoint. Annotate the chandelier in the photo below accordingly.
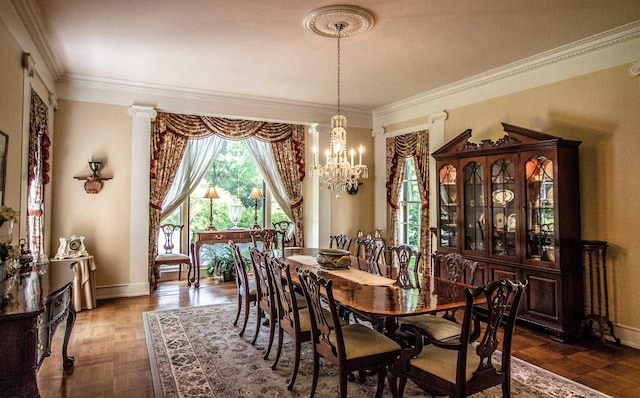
(339, 172)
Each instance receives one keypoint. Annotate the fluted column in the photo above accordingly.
(139, 203)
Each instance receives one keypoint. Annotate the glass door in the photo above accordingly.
(503, 207)
(474, 207)
(448, 206)
(540, 209)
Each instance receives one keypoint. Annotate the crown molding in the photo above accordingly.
(30, 17)
(614, 39)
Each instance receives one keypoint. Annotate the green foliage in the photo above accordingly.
(221, 261)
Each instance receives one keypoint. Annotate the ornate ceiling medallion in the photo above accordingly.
(322, 21)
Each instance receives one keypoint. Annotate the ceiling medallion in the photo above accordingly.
(322, 21)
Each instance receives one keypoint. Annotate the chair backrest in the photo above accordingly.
(267, 237)
(264, 285)
(168, 230)
(454, 266)
(242, 278)
(341, 241)
(372, 252)
(315, 290)
(403, 254)
(287, 304)
(284, 231)
(502, 301)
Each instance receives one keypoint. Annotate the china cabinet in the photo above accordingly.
(513, 205)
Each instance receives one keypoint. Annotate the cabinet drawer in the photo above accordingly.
(56, 305)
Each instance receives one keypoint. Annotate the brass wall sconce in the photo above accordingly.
(93, 183)
(256, 193)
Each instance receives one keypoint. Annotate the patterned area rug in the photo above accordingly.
(196, 352)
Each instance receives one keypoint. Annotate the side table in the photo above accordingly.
(84, 283)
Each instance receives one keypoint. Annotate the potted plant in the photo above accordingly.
(221, 263)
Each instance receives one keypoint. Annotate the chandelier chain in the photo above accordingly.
(339, 28)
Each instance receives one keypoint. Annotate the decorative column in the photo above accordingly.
(594, 256)
(140, 163)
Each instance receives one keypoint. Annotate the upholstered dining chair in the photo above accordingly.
(407, 261)
(169, 257)
(455, 267)
(353, 347)
(292, 319)
(341, 242)
(265, 239)
(284, 232)
(247, 293)
(460, 367)
(266, 297)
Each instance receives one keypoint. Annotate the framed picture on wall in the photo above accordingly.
(4, 139)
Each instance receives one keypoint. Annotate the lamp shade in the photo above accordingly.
(211, 193)
(256, 193)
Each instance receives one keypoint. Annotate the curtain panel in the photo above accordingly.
(169, 137)
(399, 148)
(38, 174)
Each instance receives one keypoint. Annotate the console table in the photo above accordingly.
(201, 238)
(32, 305)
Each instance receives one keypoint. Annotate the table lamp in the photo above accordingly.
(211, 194)
(256, 193)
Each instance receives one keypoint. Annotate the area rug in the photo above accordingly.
(196, 352)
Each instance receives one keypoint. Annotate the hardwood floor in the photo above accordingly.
(112, 361)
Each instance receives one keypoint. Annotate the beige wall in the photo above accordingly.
(11, 108)
(99, 132)
(602, 110)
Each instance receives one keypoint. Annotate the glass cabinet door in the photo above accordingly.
(540, 209)
(474, 218)
(448, 206)
(503, 208)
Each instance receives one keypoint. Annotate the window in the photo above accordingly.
(409, 214)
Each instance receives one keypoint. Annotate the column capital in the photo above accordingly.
(378, 131)
(439, 116)
(136, 110)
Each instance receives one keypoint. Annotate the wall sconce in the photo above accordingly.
(93, 183)
(211, 194)
(256, 193)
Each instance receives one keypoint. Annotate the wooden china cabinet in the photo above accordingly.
(513, 205)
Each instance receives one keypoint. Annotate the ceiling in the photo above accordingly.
(259, 48)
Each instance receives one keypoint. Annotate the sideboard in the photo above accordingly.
(32, 306)
(201, 238)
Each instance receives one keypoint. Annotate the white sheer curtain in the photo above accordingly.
(198, 156)
(263, 158)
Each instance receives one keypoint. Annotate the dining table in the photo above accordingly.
(378, 297)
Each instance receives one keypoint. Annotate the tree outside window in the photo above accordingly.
(409, 215)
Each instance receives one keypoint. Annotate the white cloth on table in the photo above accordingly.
(355, 275)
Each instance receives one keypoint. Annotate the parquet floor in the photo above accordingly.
(112, 361)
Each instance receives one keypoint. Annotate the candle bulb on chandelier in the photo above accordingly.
(314, 149)
(352, 151)
(360, 150)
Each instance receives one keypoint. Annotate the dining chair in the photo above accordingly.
(169, 257)
(461, 367)
(291, 319)
(341, 241)
(266, 297)
(247, 292)
(372, 251)
(352, 347)
(284, 232)
(454, 267)
(405, 258)
(265, 239)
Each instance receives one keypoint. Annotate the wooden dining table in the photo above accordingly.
(376, 296)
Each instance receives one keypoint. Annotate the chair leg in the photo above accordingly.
(381, 378)
(401, 385)
(393, 384)
(506, 388)
(343, 384)
(280, 337)
(272, 331)
(259, 314)
(296, 363)
(239, 309)
(247, 304)
(316, 368)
